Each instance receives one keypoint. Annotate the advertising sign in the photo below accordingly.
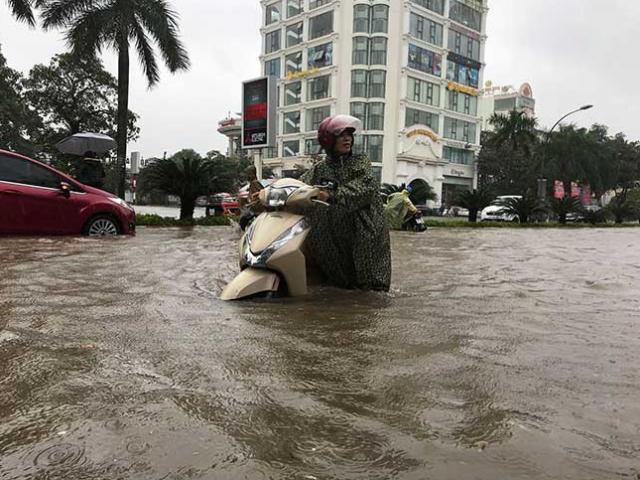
(575, 190)
(259, 113)
(558, 189)
(586, 194)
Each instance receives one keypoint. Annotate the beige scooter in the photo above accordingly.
(271, 256)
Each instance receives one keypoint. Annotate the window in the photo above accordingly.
(294, 34)
(291, 149)
(421, 117)
(370, 114)
(321, 25)
(425, 29)
(377, 173)
(311, 146)
(272, 67)
(422, 91)
(292, 93)
(294, 7)
(368, 84)
(459, 130)
(374, 144)
(320, 56)
(462, 102)
(359, 83)
(293, 63)
(272, 41)
(315, 117)
(361, 18)
(291, 122)
(378, 51)
(23, 171)
(318, 88)
(317, 3)
(460, 70)
(379, 19)
(462, 12)
(273, 13)
(360, 51)
(504, 104)
(425, 60)
(464, 45)
(433, 5)
(377, 81)
(359, 110)
(458, 155)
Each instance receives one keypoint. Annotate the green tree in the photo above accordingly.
(92, 25)
(524, 208)
(475, 201)
(186, 175)
(73, 95)
(561, 207)
(515, 130)
(22, 10)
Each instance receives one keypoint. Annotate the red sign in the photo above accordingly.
(558, 189)
(575, 190)
(586, 194)
(257, 111)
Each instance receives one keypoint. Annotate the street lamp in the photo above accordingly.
(542, 182)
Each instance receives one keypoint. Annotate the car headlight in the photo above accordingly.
(261, 259)
(277, 197)
(120, 202)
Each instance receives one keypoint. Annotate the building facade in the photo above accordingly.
(502, 100)
(409, 69)
(231, 127)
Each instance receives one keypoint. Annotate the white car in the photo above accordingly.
(493, 213)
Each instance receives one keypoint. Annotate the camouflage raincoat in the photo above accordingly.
(349, 240)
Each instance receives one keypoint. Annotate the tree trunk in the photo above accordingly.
(473, 215)
(187, 206)
(562, 218)
(123, 110)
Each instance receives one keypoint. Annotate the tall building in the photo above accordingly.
(409, 69)
(231, 127)
(502, 100)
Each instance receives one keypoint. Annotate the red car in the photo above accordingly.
(38, 199)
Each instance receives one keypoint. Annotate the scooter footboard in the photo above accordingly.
(249, 282)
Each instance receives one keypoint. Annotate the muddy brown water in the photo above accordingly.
(499, 354)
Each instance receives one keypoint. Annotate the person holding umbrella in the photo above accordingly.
(89, 170)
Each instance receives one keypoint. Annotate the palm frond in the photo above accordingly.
(146, 55)
(21, 9)
(60, 13)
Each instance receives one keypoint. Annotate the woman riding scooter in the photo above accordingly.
(349, 239)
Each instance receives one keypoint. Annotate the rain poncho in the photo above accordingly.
(397, 208)
(349, 240)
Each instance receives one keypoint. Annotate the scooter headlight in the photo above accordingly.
(261, 259)
(277, 197)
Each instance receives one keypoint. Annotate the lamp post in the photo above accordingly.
(542, 182)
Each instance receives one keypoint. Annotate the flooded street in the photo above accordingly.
(499, 354)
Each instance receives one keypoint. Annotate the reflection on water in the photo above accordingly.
(499, 354)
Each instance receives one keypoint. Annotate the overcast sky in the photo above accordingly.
(571, 51)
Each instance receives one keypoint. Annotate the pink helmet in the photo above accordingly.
(332, 127)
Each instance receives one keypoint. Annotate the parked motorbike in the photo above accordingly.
(271, 251)
(414, 223)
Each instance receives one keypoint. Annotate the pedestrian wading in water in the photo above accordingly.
(349, 239)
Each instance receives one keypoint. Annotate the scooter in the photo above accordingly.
(414, 223)
(271, 251)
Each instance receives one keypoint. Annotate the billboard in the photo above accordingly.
(259, 113)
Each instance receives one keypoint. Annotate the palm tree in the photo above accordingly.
(186, 175)
(474, 201)
(92, 25)
(563, 206)
(21, 9)
(516, 130)
(420, 191)
(523, 207)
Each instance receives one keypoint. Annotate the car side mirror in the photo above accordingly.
(65, 188)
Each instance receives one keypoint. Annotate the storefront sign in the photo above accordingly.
(259, 113)
(457, 173)
(302, 74)
(458, 87)
(424, 132)
(558, 189)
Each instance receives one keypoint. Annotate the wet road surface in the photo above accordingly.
(500, 354)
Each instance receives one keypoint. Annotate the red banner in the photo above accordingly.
(558, 189)
(575, 190)
(586, 194)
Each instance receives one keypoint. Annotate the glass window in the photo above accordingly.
(504, 104)
(293, 63)
(359, 110)
(359, 83)
(425, 29)
(425, 60)
(291, 148)
(291, 122)
(375, 117)
(294, 34)
(294, 7)
(458, 155)
(462, 102)
(459, 130)
(318, 87)
(422, 91)
(272, 41)
(311, 146)
(374, 144)
(359, 144)
(316, 115)
(377, 81)
(379, 19)
(461, 12)
(421, 117)
(360, 50)
(273, 13)
(378, 51)
(292, 93)
(464, 45)
(272, 67)
(321, 25)
(320, 56)
(433, 5)
(463, 73)
(28, 173)
(317, 3)
(361, 18)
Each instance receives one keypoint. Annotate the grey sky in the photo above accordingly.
(569, 50)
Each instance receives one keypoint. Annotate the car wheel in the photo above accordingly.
(102, 226)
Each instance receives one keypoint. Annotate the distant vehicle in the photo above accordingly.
(456, 211)
(578, 217)
(222, 204)
(202, 201)
(36, 199)
(494, 213)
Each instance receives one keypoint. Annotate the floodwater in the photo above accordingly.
(500, 354)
